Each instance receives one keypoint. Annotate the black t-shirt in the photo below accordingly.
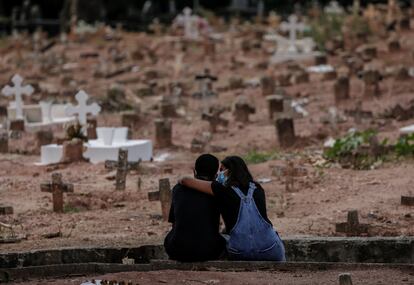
(195, 232)
(229, 203)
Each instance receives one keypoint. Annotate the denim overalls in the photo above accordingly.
(253, 238)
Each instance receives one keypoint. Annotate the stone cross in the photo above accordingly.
(164, 195)
(290, 172)
(214, 119)
(82, 109)
(189, 22)
(352, 227)
(18, 90)
(57, 188)
(293, 26)
(113, 164)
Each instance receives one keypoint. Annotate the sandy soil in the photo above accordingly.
(99, 215)
(384, 276)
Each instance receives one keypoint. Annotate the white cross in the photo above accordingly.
(82, 109)
(189, 22)
(293, 26)
(334, 8)
(18, 90)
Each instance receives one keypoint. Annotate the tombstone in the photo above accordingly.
(17, 126)
(214, 119)
(371, 78)
(57, 188)
(82, 109)
(167, 107)
(293, 27)
(345, 279)
(367, 52)
(189, 22)
(44, 138)
(242, 110)
(275, 104)
(4, 143)
(352, 227)
(268, 85)
(341, 89)
(6, 210)
(164, 195)
(205, 85)
(163, 132)
(407, 200)
(18, 90)
(72, 151)
(285, 130)
(284, 78)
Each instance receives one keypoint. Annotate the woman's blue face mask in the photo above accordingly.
(221, 177)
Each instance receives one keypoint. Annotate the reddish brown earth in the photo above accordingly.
(383, 276)
(103, 216)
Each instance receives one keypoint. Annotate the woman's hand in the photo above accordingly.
(182, 180)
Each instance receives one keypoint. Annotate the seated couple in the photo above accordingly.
(225, 188)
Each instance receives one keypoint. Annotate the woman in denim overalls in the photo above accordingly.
(250, 236)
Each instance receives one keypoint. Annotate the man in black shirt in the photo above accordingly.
(195, 217)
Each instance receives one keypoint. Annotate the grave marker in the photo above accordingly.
(345, 279)
(341, 89)
(4, 143)
(163, 132)
(293, 27)
(121, 170)
(164, 195)
(352, 227)
(18, 90)
(268, 85)
(371, 78)
(205, 85)
(285, 129)
(57, 188)
(275, 104)
(6, 210)
(214, 119)
(242, 109)
(82, 109)
(290, 172)
(407, 200)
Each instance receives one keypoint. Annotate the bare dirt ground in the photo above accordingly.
(384, 276)
(100, 216)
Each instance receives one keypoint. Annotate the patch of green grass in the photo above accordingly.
(70, 209)
(405, 146)
(255, 157)
(324, 28)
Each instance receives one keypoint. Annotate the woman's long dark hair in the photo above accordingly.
(238, 174)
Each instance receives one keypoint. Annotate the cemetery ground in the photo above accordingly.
(310, 200)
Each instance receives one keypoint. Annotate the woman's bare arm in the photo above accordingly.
(197, 184)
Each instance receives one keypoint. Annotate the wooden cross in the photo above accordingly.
(18, 90)
(122, 167)
(164, 195)
(352, 227)
(57, 188)
(213, 117)
(290, 172)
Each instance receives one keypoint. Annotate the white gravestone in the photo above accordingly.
(82, 109)
(334, 8)
(18, 90)
(189, 22)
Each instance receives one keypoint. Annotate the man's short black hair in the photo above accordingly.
(206, 166)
